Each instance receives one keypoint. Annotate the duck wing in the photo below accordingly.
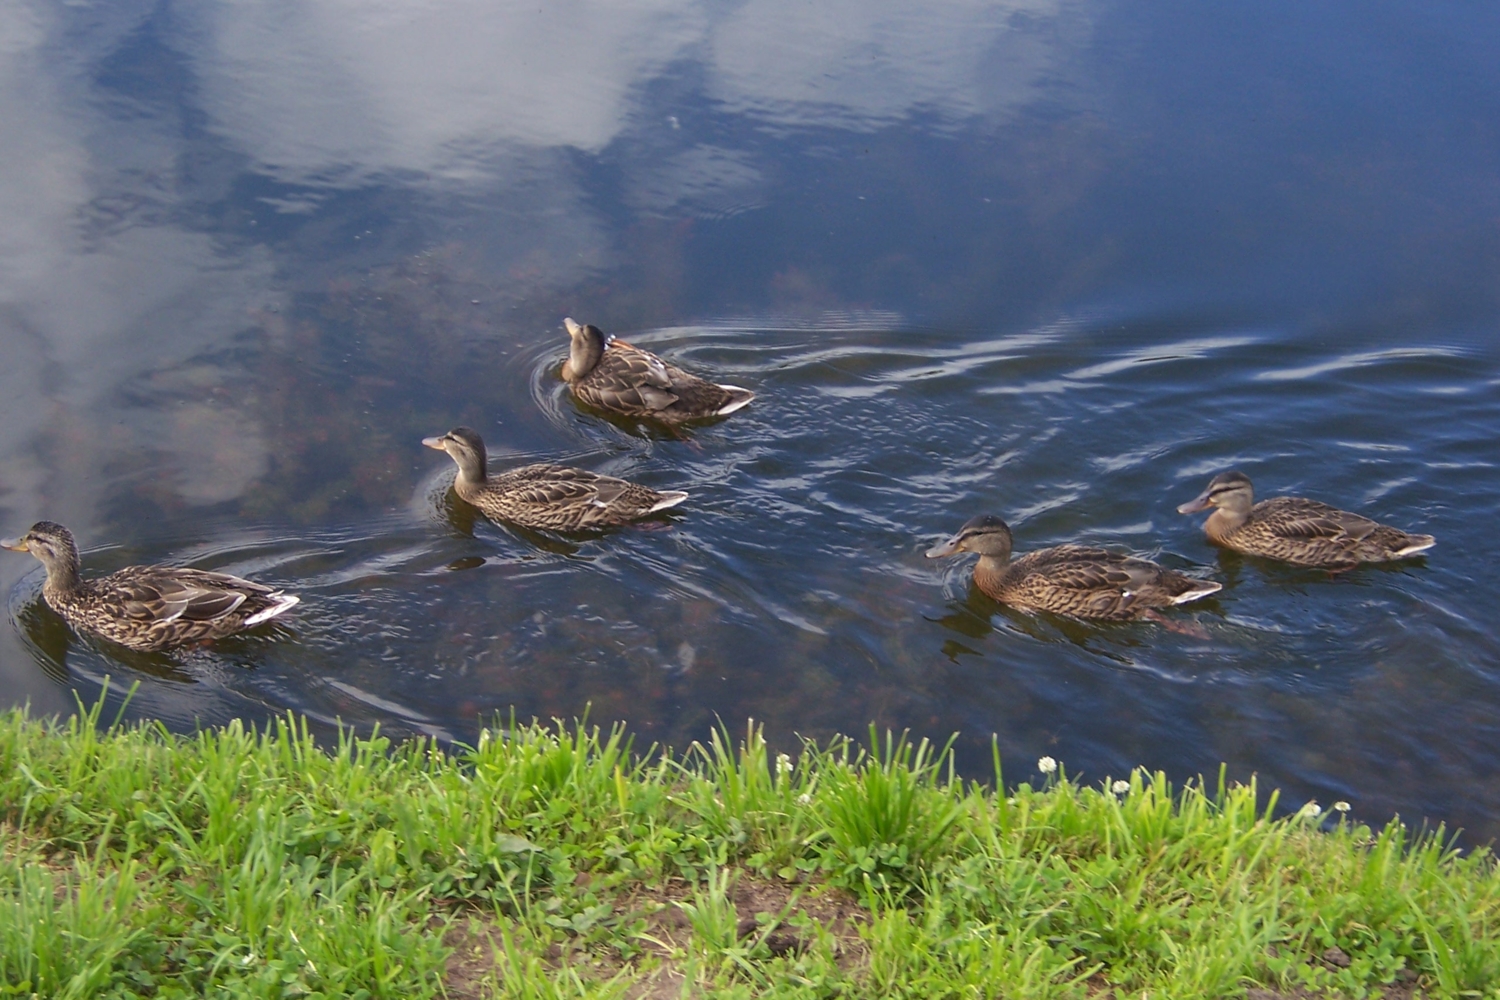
(545, 485)
(1083, 581)
(1097, 583)
(1293, 517)
(169, 594)
(628, 378)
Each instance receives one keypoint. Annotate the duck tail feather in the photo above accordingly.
(737, 398)
(669, 498)
(284, 602)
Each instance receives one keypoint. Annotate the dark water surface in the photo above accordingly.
(1060, 261)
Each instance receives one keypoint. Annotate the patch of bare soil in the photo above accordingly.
(472, 960)
(775, 919)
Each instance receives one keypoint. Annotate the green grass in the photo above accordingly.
(561, 862)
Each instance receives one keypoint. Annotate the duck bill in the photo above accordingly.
(1193, 506)
(14, 544)
(571, 325)
(945, 549)
(434, 443)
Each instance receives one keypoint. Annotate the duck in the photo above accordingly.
(545, 496)
(611, 375)
(1297, 530)
(147, 608)
(1076, 580)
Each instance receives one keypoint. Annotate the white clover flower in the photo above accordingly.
(1311, 810)
(1046, 765)
(1120, 787)
(783, 764)
(804, 798)
(1341, 806)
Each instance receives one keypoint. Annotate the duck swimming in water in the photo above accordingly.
(146, 607)
(611, 375)
(1297, 530)
(546, 496)
(1075, 580)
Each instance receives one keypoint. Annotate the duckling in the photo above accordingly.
(147, 608)
(615, 376)
(545, 496)
(1072, 580)
(1297, 530)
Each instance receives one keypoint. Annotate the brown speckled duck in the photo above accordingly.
(545, 496)
(615, 376)
(147, 608)
(1072, 580)
(1297, 530)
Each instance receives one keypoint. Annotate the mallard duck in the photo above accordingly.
(1072, 580)
(1297, 530)
(615, 376)
(146, 607)
(546, 496)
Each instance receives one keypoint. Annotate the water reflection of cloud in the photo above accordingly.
(335, 92)
(705, 180)
(860, 63)
(96, 288)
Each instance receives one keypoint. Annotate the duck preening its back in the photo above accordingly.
(612, 375)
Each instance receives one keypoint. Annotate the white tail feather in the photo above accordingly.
(1422, 544)
(741, 397)
(283, 603)
(670, 498)
(1204, 588)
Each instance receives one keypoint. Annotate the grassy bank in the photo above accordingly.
(555, 862)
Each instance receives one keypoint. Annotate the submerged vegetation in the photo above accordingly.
(556, 861)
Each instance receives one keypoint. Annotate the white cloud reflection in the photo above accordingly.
(335, 91)
(96, 288)
(861, 63)
(100, 285)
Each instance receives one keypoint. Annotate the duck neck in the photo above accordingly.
(472, 469)
(990, 571)
(1224, 522)
(63, 576)
(583, 354)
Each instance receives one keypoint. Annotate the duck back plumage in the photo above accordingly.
(1087, 582)
(1312, 533)
(153, 608)
(637, 383)
(552, 497)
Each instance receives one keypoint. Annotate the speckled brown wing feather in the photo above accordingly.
(189, 595)
(638, 383)
(1312, 533)
(561, 498)
(1091, 583)
(156, 607)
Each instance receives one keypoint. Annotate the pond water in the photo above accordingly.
(1059, 261)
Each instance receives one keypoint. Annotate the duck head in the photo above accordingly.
(986, 534)
(464, 446)
(1229, 491)
(54, 546)
(584, 351)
